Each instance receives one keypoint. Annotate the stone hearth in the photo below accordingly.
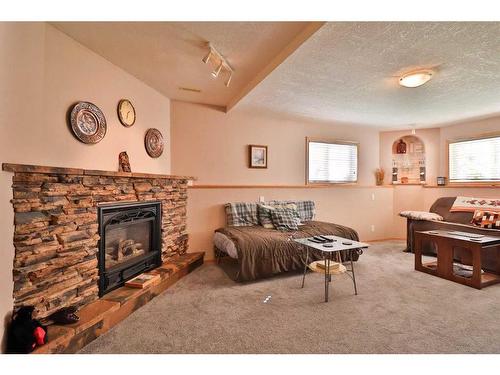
(100, 316)
(56, 228)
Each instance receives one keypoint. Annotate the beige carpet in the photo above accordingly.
(398, 310)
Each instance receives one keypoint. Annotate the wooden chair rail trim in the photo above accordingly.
(467, 185)
(318, 186)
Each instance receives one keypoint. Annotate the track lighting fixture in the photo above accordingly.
(219, 61)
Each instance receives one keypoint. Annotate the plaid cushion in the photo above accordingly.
(306, 209)
(486, 219)
(246, 213)
(285, 218)
(264, 215)
(241, 214)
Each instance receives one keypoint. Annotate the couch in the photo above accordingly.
(261, 252)
(457, 221)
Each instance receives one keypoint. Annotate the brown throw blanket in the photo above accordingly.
(265, 252)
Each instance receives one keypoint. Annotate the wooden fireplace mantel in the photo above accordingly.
(26, 168)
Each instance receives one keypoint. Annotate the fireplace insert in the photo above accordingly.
(130, 241)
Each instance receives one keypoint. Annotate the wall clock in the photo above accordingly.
(153, 141)
(87, 122)
(126, 112)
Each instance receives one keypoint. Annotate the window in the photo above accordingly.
(332, 162)
(475, 160)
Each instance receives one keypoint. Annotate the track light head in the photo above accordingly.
(216, 72)
(206, 59)
(229, 79)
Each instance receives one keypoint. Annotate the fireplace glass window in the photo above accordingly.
(126, 242)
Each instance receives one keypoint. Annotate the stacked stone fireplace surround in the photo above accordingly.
(56, 228)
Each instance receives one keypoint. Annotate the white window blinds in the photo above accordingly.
(475, 160)
(332, 162)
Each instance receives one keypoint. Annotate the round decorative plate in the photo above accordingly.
(88, 122)
(153, 142)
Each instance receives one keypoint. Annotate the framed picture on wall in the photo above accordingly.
(257, 156)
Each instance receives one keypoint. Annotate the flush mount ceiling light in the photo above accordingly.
(219, 63)
(415, 78)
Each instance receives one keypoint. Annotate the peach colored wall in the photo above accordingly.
(430, 137)
(409, 197)
(350, 206)
(42, 73)
(212, 145)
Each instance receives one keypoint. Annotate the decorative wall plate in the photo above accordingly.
(88, 122)
(153, 141)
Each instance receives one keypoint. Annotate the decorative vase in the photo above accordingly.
(379, 176)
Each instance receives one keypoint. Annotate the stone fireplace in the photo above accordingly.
(61, 216)
(130, 241)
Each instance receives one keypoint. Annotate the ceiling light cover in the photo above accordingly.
(415, 79)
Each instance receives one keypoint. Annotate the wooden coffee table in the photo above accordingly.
(446, 242)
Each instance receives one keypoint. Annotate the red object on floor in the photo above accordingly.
(39, 335)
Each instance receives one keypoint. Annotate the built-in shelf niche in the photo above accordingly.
(408, 160)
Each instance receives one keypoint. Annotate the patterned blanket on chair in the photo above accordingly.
(469, 204)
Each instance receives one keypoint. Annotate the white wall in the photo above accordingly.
(42, 73)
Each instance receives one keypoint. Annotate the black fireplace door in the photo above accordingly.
(130, 242)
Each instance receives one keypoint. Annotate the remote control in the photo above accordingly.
(313, 240)
(319, 238)
(326, 238)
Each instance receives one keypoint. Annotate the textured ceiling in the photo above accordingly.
(167, 55)
(349, 72)
(346, 71)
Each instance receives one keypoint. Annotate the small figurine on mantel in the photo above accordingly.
(401, 147)
(124, 164)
